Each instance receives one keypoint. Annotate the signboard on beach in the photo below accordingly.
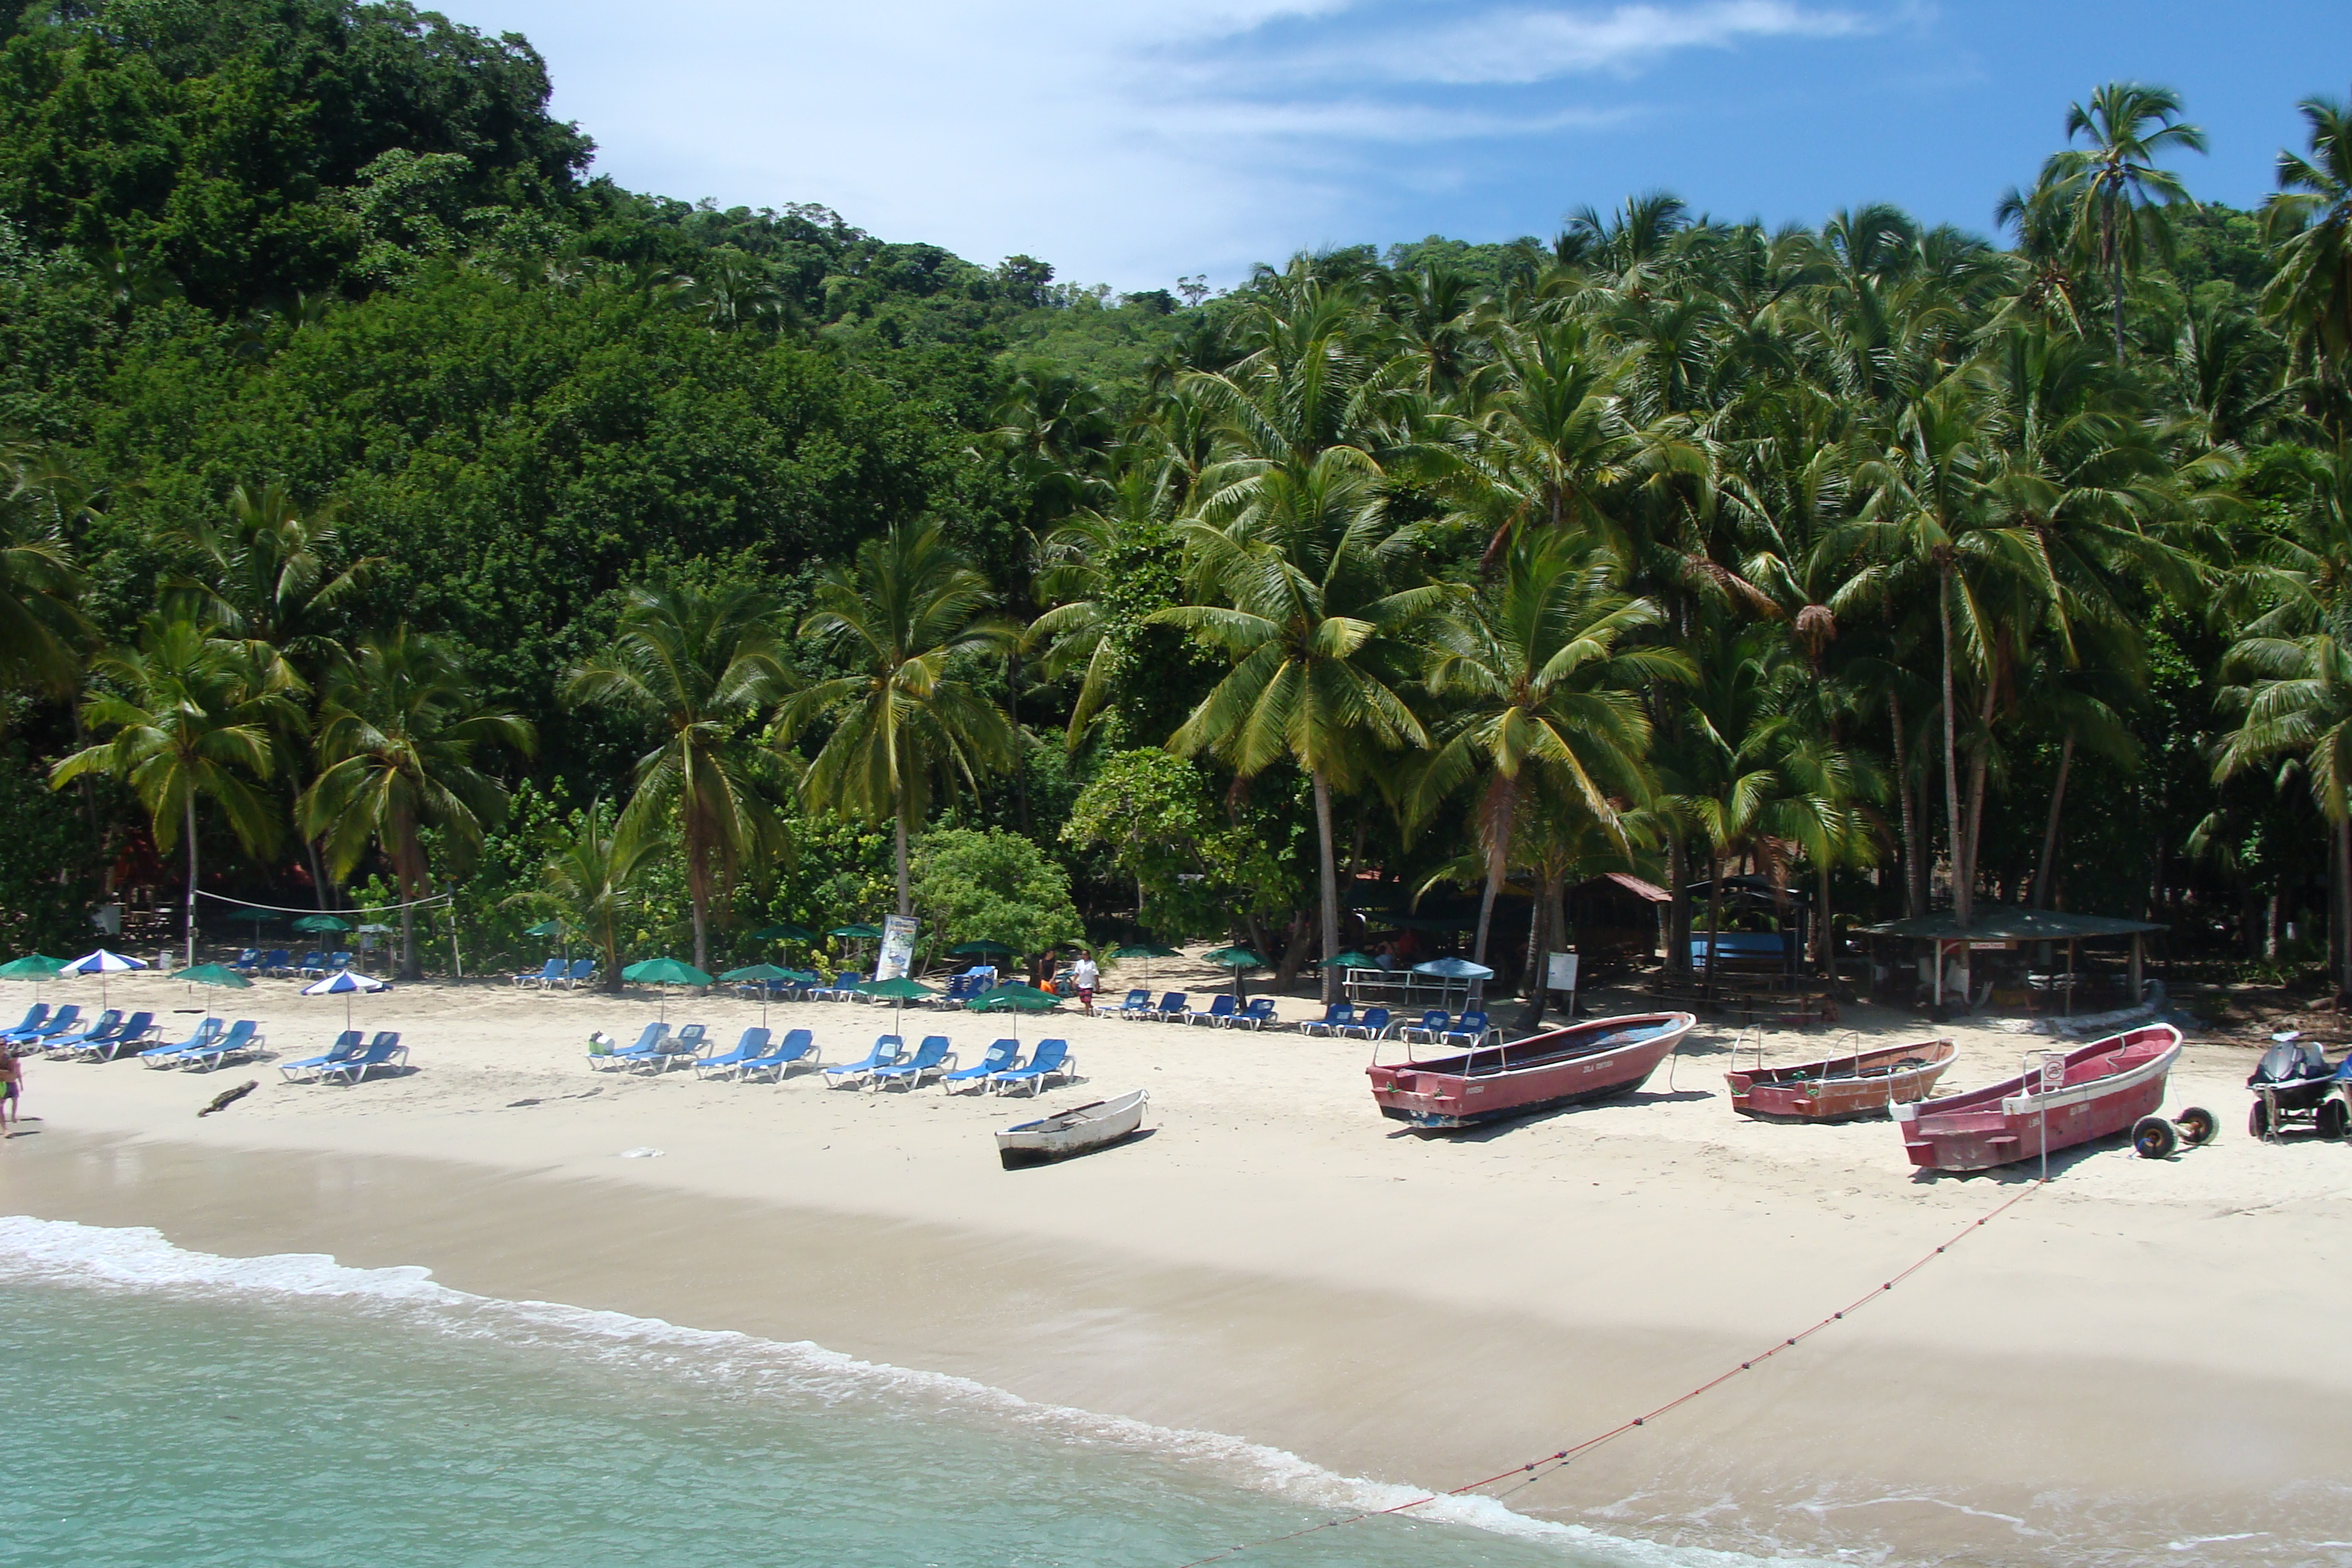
(897, 947)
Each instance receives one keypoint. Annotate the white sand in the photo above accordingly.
(1278, 1262)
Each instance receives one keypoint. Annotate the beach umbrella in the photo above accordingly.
(101, 963)
(1457, 969)
(857, 932)
(322, 925)
(1146, 951)
(665, 972)
(258, 917)
(1236, 959)
(1350, 960)
(345, 983)
(763, 972)
(38, 967)
(897, 991)
(783, 930)
(217, 975)
(545, 928)
(1014, 996)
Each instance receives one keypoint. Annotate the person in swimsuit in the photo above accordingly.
(12, 1089)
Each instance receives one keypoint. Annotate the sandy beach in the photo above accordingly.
(2103, 1373)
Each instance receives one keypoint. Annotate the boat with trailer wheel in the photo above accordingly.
(2063, 1097)
(1844, 1085)
(1574, 1066)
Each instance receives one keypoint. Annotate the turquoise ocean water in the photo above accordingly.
(168, 1408)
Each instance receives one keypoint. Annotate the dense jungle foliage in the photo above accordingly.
(396, 510)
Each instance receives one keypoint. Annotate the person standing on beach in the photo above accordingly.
(12, 1089)
(1083, 976)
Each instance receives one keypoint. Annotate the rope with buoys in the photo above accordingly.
(1535, 1469)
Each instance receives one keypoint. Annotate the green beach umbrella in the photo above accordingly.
(763, 972)
(898, 992)
(37, 967)
(665, 972)
(1350, 960)
(783, 932)
(979, 950)
(1014, 996)
(214, 974)
(321, 924)
(1146, 951)
(1236, 959)
(545, 928)
(857, 932)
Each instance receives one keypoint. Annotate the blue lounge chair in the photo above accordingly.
(338, 962)
(1257, 1015)
(1471, 1031)
(602, 1054)
(678, 1050)
(1433, 1023)
(61, 1022)
(1174, 1004)
(384, 1052)
(999, 1057)
(932, 1059)
(1053, 1061)
(749, 1049)
(799, 1046)
(1220, 1011)
(583, 970)
(545, 975)
(136, 1030)
(35, 1016)
(313, 965)
(246, 962)
(243, 1040)
(1137, 1005)
(888, 1048)
(275, 961)
(161, 1055)
(1372, 1026)
(1337, 1017)
(348, 1044)
(74, 1039)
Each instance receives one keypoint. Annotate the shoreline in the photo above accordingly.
(1288, 1272)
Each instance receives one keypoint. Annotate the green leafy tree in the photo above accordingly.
(988, 884)
(188, 717)
(2121, 200)
(706, 666)
(402, 741)
(597, 880)
(903, 616)
(2311, 222)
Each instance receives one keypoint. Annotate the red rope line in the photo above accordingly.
(1533, 1469)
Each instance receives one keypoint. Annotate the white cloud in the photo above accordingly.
(1129, 141)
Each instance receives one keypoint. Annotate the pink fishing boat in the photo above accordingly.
(1857, 1083)
(1573, 1066)
(2067, 1098)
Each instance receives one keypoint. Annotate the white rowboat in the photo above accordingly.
(1074, 1131)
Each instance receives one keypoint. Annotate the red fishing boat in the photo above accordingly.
(2064, 1098)
(1838, 1088)
(1564, 1067)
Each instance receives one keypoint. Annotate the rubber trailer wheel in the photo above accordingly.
(2154, 1139)
(2258, 1122)
(2335, 1118)
(2197, 1126)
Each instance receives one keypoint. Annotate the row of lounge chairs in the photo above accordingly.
(889, 1064)
(1436, 1026)
(1176, 1008)
(279, 962)
(348, 1061)
(569, 975)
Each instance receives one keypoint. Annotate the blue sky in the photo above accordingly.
(1131, 142)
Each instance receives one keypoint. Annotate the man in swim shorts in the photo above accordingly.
(12, 1089)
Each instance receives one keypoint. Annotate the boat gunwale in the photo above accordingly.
(2010, 1098)
(1675, 1026)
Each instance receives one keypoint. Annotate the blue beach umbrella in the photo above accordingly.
(102, 964)
(346, 983)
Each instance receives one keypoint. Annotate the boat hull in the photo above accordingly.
(2110, 1084)
(1842, 1089)
(1576, 1066)
(1080, 1131)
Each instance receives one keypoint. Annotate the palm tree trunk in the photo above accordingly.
(188, 826)
(905, 897)
(1020, 752)
(1823, 937)
(1962, 905)
(1502, 798)
(1330, 879)
(2050, 829)
(1677, 954)
(1714, 912)
(1538, 946)
(410, 969)
(698, 888)
(1914, 902)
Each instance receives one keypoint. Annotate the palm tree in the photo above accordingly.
(402, 738)
(189, 717)
(2311, 221)
(1533, 676)
(1297, 584)
(904, 616)
(705, 665)
(41, 627)
(2119, 196)
(596, 879)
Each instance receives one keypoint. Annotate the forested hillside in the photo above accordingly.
(395, 507)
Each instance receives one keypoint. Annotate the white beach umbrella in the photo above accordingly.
(101, 963)
(346, 983)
